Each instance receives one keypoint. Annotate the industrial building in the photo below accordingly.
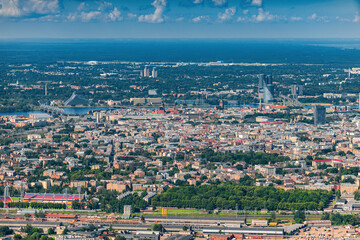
(247, 231)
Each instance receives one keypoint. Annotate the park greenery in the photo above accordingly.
(33, 233)
(254, 158)
(232, 196)
(110, 204)
(4, 231)
(342, 219)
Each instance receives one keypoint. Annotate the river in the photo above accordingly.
(68, 110)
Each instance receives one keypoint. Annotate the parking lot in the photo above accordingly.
(334, 232)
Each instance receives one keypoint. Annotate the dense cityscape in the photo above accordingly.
(179, 119)
(178, 166)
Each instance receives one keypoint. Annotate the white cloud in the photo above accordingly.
(295, 19)
(315, 17)
(41, 6)
(257, 3)
(131, 15)
(17, 8)
(81, 6)
(180, 19)
(263, 16)
(200, 19)
(115, 15)
(356, 18)
(198, 1)
(10, 8)
(104, 11)
(345, 19)
(241, 19)
(104, 5)
(219, 2)
(227, 15)
(157, 16)
(246, 11)
(84, 16)
(88, 16)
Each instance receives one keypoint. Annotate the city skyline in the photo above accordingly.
(179, 19)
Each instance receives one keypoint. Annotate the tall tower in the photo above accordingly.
(261, 86)
(319, 115)
(98, 117)
(154, 73)
(266, 88)
(45, 89)
(6, 194)
(21, 192)
(146, 72)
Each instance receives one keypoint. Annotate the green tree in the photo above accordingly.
(5, 230)
(120, 238)
(157, 227)
(65, 231)
(17, 237)
(273, 216)
(299, 216)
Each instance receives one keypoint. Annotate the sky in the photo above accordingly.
(179, 19)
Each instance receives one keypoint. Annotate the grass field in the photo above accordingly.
(183, 211)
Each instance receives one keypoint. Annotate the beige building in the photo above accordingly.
(348, 187)
(118, 186)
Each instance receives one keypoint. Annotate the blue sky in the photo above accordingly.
(179, 19)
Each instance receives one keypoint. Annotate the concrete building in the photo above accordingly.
(348, 187)
(127, 212)
(319, 115)
(118, 186)
(154, 73)
(256, 222)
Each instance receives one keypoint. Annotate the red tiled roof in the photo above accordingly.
(327, 160)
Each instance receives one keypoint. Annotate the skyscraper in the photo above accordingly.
(266, 88)
(154, 73)
(297, 90)
(319, 115)
(98, 117)
(146, 72)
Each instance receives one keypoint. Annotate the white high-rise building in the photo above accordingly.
(146, 72)
(154, 73)
(98, 117)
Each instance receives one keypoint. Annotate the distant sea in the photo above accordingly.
(290, 51)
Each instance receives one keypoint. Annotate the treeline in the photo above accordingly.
(230, 196)
(338, 219)
(247, 157)
(37, 205)
(110, 204)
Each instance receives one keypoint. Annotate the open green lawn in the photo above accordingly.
(183, 211)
